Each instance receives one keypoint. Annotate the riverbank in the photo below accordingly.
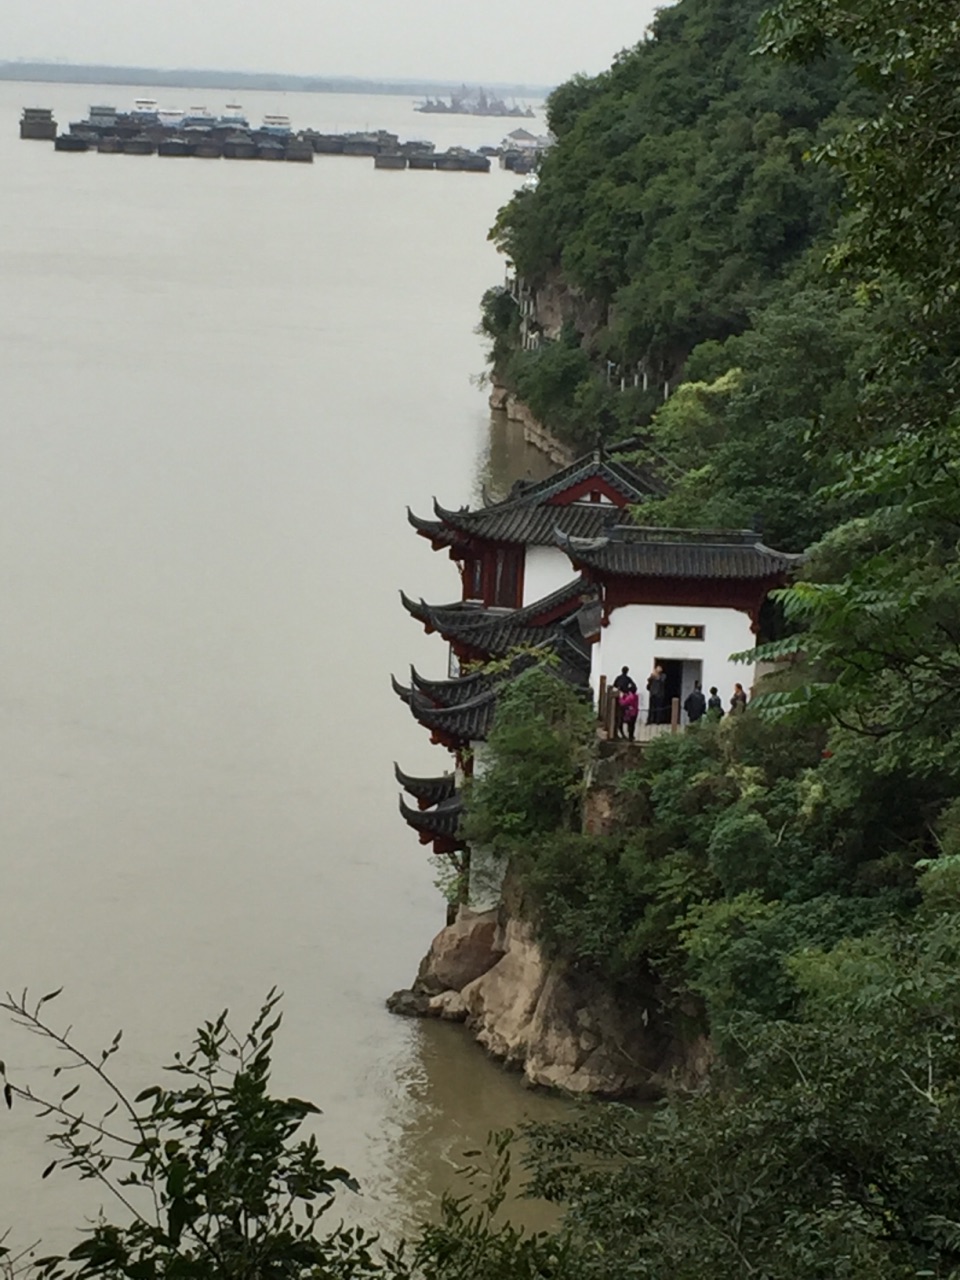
(502, 400)
(559, 1029)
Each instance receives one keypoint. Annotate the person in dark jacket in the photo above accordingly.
(624, 683)
(657, 689)
(714, 705)
(695, 704)
(738, 702)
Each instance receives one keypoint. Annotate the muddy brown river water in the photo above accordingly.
(221, 385)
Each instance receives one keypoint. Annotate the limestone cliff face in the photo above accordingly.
(562, 1030)
(556, 302)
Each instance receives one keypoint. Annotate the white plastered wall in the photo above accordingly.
(630, 640)
(545, 569)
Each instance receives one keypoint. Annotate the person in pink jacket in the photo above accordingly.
(629, 711)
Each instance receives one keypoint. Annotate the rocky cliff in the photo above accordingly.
(562, 1029)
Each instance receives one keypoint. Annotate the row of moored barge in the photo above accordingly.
(232, 147)
(147, 130)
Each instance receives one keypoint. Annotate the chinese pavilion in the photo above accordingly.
(564, 566)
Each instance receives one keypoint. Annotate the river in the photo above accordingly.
(222, 383)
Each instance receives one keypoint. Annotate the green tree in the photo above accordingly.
(209, 1177)
(757, 429)
(539, 749)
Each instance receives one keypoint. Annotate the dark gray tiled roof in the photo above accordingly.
(525, 516)
(564, 639)
(469, 722)
(450, 693)
(464, 709)
(401, 690)
(443, 821)
(427, 791)
(678, 553)
(519, 522)
(433, 529)
(495, 631)
(632, 482)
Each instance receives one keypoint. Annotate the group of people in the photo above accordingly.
(696, 704)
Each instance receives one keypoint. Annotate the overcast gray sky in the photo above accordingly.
(537, 41)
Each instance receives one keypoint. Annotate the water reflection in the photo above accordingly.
(202, 534)
(454, 1096)
(457, 1097)
(507, 457)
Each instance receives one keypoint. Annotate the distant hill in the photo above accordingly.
(83, 73)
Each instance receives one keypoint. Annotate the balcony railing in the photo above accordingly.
(607, 715)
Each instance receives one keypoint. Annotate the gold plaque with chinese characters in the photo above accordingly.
(679, 631)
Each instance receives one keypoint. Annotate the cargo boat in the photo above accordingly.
(38, 123)
(239, 146)
(300, 151)
(174, 147)
(271, 149)
(141, 145)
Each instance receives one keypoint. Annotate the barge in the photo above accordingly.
(149, 129)
(299, 151)
(141, 145)
(239, 146)
(38, 123)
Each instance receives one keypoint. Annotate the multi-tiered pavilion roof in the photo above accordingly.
(592, 490)
(590, 512)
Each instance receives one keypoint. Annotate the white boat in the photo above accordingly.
(101, 114)
(233, 116)
(199, 118)
(277, 124)
(170, 117)
(145, 109)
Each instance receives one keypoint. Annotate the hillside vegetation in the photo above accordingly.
(789, 877)
(681, 217)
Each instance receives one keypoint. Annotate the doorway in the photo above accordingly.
(681, 674)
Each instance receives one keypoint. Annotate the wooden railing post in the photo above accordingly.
(611, 717)
(674, 715)
(602, 701)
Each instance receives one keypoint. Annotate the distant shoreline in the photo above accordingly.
(84, 73)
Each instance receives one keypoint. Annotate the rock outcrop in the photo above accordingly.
(562, 1030)
(460, 953)
(557, 303)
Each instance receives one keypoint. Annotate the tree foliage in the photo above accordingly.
(676, 202)
(208, 1176)
(539, 747)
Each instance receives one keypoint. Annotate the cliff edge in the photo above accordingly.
(562, 1029)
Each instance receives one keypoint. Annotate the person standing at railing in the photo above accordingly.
(738, 702)
(623, 684)
(714, 705)
(629, 711)
(695, 704)
(659, 712)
